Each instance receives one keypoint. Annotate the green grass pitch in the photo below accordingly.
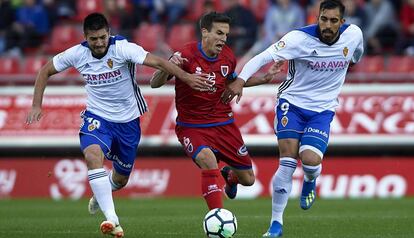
(182, 217)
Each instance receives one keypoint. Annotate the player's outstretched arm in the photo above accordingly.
(269, 76)
(252, 66)
(160, 77)
(45, 72)
(197, 82)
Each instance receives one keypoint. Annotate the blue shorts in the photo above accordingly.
(309, 127)
(118, 141)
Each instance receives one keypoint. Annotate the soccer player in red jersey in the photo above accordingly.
(205, 126)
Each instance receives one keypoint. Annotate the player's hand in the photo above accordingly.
(199, 82)
(233, 89)
(177, 59)
(34, 115)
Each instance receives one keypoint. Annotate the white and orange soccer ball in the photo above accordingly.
(220, 223)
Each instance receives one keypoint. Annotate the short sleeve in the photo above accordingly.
(359, 50)
(288, 47)
(65, 59)
(132, 52)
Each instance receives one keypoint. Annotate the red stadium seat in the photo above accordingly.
(149, 36)
(9, 65)
(33, 64)
(195, 10)
(369, 64)
(86, 7)
(259, 8)
(400, 64)
(181, 34)
(63, 37)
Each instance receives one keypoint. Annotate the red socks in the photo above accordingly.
(212, 193)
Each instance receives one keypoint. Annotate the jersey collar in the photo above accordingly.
(212, 59)
(313, 30)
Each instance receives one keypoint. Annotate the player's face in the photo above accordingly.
(214, 40)
(98, 41)
(329, 22)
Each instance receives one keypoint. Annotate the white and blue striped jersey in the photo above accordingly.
(316, 70)
(112, 92)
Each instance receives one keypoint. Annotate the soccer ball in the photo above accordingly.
(220, 223)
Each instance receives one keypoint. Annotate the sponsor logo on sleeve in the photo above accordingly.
(279, 45)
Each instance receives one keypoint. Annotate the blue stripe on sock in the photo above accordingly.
(310, 170)
(288, 163)
(96, 175)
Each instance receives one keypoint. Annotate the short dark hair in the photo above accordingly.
(95, 21)
(332, 4)
(207, 19)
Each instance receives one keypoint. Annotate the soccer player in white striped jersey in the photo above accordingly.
(110, 124)
(319, 56)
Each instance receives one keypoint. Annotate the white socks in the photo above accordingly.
(311, 172)
(282, 186)
(102, 191)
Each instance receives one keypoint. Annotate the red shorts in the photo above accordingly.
(225, 141)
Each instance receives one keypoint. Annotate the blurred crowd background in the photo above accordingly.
(32, 31)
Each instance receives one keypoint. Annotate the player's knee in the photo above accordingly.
(206, 159)
(93, 157)
(310, 158)
(288, 148)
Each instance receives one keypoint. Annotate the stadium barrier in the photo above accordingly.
(342, 177)
(368, 115)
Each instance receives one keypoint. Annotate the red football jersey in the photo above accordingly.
(203, 109)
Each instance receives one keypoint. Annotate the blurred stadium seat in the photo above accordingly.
(195, 10)
(86, 7)
(181, 34)
(9, 65)
(369, 64)
(259, 8)
(149, 36)
(400, 64)
(64, 37)
(33, 64)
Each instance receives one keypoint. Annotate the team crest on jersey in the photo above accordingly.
(91, 127)
(242, 151)
(110, 63)
(284, 121)
(345, 51)
(224, 70)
